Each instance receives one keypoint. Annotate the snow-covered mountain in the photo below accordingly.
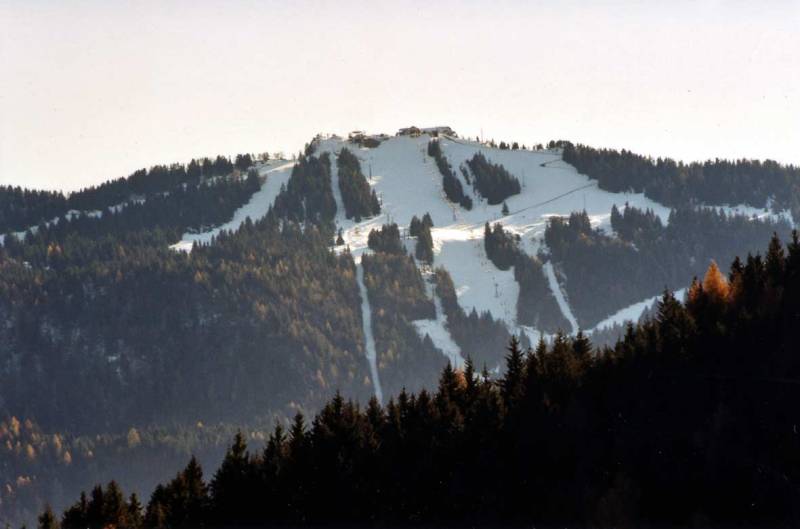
(408, 183)
(240, 290)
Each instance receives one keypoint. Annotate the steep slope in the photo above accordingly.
(408, 183)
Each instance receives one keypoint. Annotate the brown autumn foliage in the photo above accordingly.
(715, 284)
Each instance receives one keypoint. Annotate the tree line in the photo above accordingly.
(761, 184)
(21, 208)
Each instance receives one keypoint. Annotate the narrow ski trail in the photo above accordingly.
(550, 273)
(369, 338)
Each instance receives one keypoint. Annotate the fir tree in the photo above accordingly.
(512, 380)
(47, 520)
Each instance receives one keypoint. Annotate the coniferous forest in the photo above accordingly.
(690, 419)
(491, 180)
(751, 182)
(645, 255)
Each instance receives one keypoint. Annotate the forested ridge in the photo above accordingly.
(106, 299)
(755, 183)
(21, 208)
(691, 418)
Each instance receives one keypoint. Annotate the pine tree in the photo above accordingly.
(297, 437)
(533, 371)
(77, 516)
(135, 520)
(424, 248)
(775, 261)
(47, 520)
(511, 384)
(228, 486)
(504, 211)
(581, 346)
(115, 508)
(375, 203)
(415, 227)
(156, 515)
(675, 325)
(195, 494)
(96, 510)
(375, 416)
(470, 378)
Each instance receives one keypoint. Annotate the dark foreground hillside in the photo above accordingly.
(691, 419)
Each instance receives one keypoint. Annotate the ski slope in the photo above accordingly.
(561, 298)
(436, 329)
(277, 173)
(369, 338)
(408, 183)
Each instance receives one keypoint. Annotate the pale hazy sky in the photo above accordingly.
(96, 89)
